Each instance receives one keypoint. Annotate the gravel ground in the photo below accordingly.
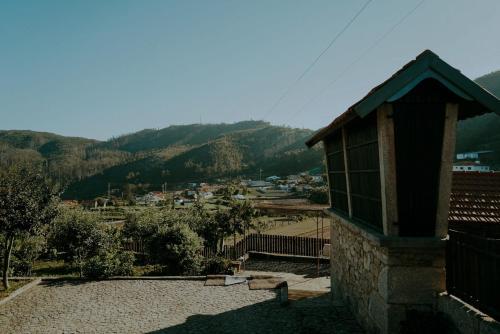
(154, 306)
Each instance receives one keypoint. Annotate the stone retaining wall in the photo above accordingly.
(356, 263)
(381, 278)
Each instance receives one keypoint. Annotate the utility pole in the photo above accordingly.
(260, 174)
(109, 191)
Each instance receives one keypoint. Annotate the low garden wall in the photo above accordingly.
(466, 318)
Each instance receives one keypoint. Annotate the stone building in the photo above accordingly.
(389, 207)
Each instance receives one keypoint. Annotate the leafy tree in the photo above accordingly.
(27, 202)
(25, 251)
(75, 233)
(218, 228)
(241, 213)
(142, 225)
(94, 248)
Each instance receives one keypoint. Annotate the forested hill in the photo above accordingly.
(197, 153)
(177, 135)
(144, 160)
(66, 158)
(482, 133)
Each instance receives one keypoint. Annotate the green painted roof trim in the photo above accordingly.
(427, 61)
(429, 74)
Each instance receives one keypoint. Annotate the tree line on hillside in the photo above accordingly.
(277, 151)
(65, 159)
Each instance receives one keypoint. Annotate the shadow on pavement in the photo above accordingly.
(312, 315)
(308, 269)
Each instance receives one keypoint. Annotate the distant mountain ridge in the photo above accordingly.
(241, 149)
(193, 134)
(176, 154)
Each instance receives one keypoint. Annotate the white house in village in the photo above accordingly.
(150, 198)
(470, 166)
(317, 178)
(239, 197)
(471, 155)
(259, 184)
(272, 178)
(206, 194)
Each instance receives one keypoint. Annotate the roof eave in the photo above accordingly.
(425, 61)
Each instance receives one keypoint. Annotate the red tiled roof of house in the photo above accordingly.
(475, 197)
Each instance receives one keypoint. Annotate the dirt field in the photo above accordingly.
(281, 226)
(304, 228)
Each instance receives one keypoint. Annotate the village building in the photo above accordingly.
(273, 178)
(206, 194)
(151, 198)
(316, 178)
(259, 184)
(388, 206)
(470, 166)
(476, 155)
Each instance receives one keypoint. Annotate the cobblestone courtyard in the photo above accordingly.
(157, 306)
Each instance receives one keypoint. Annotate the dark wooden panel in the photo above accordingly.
(418, 129)
(364, 171)
(336, 171)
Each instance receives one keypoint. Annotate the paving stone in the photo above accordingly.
(147, 306)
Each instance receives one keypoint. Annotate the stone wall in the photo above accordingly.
(356, 264)
(381, 278)
(467, 319)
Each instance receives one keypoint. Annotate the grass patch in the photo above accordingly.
(53, 268)
(14, 285)
(60, 269)
(148, 270)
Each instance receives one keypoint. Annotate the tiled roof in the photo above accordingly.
(424, 62)
(475, 197)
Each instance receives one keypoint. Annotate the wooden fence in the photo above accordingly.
(276, 244)
(473, 270)
(136, 246)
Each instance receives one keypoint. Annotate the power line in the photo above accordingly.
(348, 67)
(308, 68)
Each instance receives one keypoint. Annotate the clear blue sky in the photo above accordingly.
(104, 68)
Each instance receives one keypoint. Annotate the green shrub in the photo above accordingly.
(319, 196)
(216, 265)
(26, 250)
(178, 248)
(76, 235)
(109, 264)
(96, 267)
(93, 248)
